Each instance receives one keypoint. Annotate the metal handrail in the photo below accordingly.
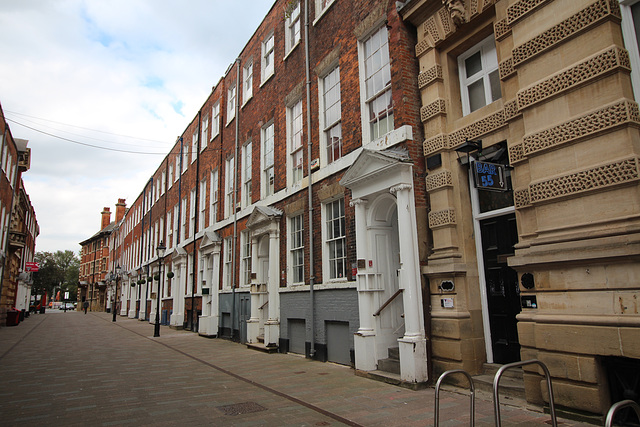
(496, 382)
(620, 405)
(383, 306)
(263, 305)
(472, 396)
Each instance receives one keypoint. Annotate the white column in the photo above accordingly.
(253, 324)
(177, 318)
(365, 339)
(132, 299)
(143, 300)
(272, 327)
(209, 319)
(124, 291)
(413, 345)
(152, 288)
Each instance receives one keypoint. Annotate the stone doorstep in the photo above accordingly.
(390, 378)
(263, 348)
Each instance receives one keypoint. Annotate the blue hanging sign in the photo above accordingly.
(490, 176)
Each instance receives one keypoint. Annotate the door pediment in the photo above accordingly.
(210, 242)
(378, 170)
(264, 219)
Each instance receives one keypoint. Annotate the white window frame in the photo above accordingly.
(232, 95)
(183, 219)
(203, 204)
(215, 120)
(194, 146)
(229, 178)
(631, 42)
(267, 68)
(213, 198)
(169, 229)
(292, 27)
(295, 249)
(489, 59)
(328, 239)
(192, 209)
(267, 160)
(295, 155)
(247, 82)
(368, 78)
(205, 132)
(245, 258)
(329, 125)
(247, 153)
(321, 8)
(228, 260)
(185, 157)
(163, 183)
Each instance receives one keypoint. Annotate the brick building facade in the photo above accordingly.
(18, 224)
(280, 200)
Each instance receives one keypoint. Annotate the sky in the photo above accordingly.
(102, 89)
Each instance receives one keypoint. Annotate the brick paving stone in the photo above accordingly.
(75, 369)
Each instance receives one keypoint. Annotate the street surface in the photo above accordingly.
(72, 369)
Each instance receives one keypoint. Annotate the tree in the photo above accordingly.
(59, 271)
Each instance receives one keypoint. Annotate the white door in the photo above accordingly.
(386, 250)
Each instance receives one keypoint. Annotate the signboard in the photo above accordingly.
(66, 295)
(31, 266)
(490, 176)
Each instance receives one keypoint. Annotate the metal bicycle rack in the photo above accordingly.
(619, 405)
(471, 396)
(496, 385)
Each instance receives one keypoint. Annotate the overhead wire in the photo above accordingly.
(87, 144)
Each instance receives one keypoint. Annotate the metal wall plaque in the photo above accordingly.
(489, 176)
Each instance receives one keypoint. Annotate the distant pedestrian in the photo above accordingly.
(85, 305)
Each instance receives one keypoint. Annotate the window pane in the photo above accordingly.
(473, 64)
(476, 95)
(494, 81)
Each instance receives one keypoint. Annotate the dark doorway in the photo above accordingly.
(245, 315)
(499, 236)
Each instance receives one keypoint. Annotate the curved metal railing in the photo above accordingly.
(619, 405)
(471, 396)
(496, 385)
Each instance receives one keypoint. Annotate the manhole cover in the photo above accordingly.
(241, 408)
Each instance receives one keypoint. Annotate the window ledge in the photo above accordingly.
(395, 137)
(323, 12)
(292, 49)
(267, 78)
(335, 284)
(246, 102)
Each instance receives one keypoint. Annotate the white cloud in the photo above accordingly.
(138, 68)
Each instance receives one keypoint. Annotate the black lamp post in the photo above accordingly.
(115, 293)
(160, 251)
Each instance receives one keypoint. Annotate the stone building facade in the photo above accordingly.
(549, 268)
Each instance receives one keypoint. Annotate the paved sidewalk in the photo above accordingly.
(76, 369)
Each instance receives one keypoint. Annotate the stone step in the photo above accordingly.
(389, 365)
(511, 388)
(261, 347)
(492, 369)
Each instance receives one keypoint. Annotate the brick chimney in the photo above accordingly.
(106, 217)
(121, 207)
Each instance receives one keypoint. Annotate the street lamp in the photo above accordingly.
(160, 251)
(115, 293)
